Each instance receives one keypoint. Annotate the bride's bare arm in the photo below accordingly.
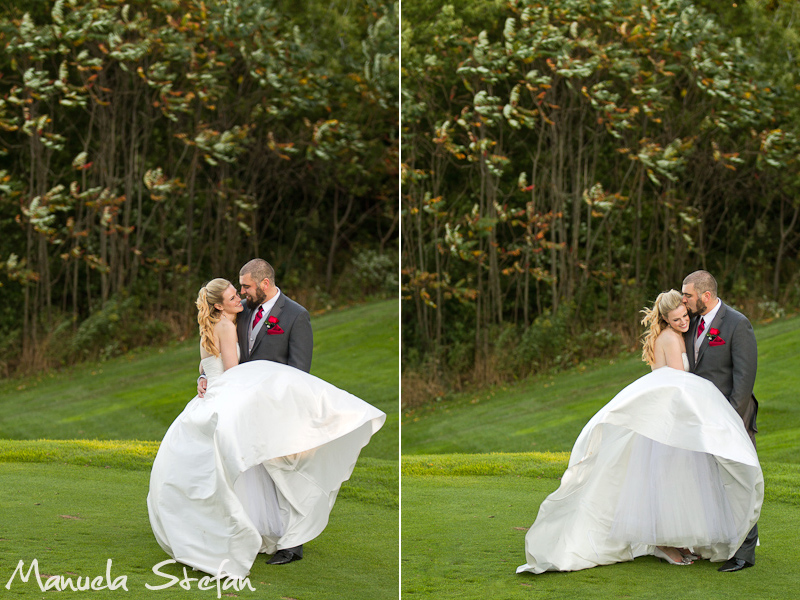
(227, 343)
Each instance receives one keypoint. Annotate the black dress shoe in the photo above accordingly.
(283, 557)
(734, 564)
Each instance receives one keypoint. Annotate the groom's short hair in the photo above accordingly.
(258, 269)
(703, 282)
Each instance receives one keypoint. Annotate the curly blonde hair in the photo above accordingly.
(655, 321)
(207, 315)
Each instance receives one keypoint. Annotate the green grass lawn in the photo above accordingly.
(476, 467)
(76, 448)
(464, 537)
(73, 519)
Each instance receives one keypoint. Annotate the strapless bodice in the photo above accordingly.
(212, 367)
(685, 358)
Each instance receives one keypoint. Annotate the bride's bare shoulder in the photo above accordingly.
(224, 326)
(669, 338)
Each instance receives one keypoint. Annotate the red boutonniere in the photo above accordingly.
(713, 337)
(272, 326)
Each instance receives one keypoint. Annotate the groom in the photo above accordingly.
(722, 348)
(271, 327)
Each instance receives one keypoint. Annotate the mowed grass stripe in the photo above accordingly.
(373, 480)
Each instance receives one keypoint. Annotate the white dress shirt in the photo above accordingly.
(253, 331)
(708, 318)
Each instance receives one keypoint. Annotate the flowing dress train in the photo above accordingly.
(255, 465)
(667, 462)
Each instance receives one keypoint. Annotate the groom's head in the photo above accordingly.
(699, 292)
(257, 279)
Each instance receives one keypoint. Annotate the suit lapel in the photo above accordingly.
(716, 323)
(276, 310)
(689, 339)
(241, 332)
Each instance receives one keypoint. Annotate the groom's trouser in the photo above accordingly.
(297, 550)
(747, 551)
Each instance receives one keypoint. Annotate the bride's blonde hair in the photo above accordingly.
(655, 321)
(207, 315)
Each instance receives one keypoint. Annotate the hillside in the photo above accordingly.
(547, 412)
(137, 396)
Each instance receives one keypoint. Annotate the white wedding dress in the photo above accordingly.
(667, 462)
(255, 465)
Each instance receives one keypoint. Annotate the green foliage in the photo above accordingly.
(548, 342)
(586, 156)
(545, 339)
(375, 272)
(103, 331)
(146, 147)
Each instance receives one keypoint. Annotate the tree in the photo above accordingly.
(568, 162)
(148, 146)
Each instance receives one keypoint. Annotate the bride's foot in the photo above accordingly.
(686, 553)
(671, 555)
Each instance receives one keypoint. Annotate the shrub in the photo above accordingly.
(545, 339)
(100, 333)
(375, 273)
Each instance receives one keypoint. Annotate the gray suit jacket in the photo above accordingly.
(289, 341)
(730, 362)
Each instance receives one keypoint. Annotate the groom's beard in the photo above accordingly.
(260, 297)
(701, 308)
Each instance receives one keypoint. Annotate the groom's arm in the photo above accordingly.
(301, 343)
(202, 384)
(744, 359)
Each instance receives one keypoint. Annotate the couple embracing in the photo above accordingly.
(669, 466)
(254, 462)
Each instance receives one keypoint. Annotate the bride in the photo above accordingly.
(256, 464)
(666, 469)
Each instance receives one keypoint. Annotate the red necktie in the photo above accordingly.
(259, 314)
(701, 328)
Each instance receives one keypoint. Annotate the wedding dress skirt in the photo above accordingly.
(255, 465)
(667, 462)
